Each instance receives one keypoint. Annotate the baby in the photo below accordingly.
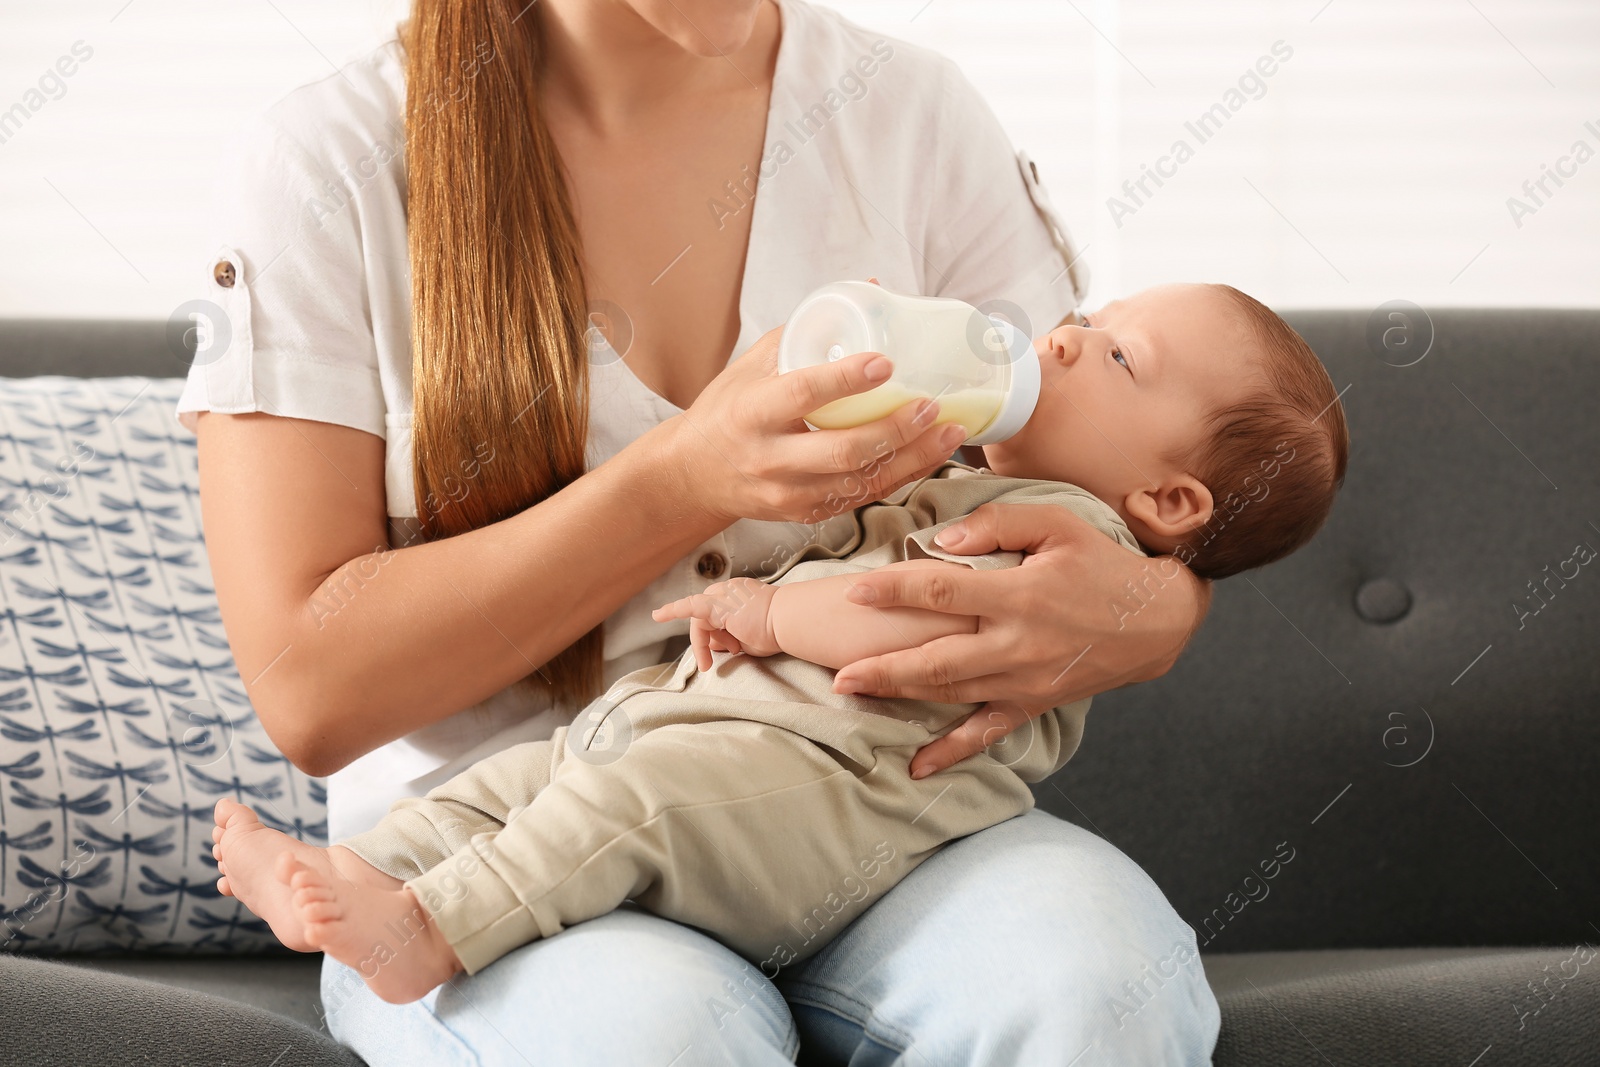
(740, 794)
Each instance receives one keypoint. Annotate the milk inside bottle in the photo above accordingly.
(981, 369)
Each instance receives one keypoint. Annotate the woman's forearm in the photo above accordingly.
(397, 639)
(814, 621)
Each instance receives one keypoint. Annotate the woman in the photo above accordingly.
(428, 481)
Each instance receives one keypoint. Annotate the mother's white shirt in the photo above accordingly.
(880, 160)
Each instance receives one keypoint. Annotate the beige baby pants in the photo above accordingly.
(726, 800)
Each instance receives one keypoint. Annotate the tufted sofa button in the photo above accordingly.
(1383, 600)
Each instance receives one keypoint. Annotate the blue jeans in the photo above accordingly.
(1031, 942)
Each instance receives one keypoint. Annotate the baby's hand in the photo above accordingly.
(731, 616)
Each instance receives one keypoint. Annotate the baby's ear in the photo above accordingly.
(1172, 510)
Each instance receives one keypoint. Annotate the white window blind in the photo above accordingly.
(1441, 151)
(1375, 163)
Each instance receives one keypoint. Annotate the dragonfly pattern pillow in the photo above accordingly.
(122, 716)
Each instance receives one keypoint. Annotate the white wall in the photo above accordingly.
(1376, 163)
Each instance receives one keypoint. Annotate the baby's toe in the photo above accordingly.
(321, 911)
(311, 894)
(231, 814)
(302, 877)
(286, 866)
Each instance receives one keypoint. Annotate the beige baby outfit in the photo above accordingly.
(750, 800)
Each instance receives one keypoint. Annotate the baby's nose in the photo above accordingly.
(1062, 345)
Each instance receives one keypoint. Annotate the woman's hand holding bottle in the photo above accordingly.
(746, 452)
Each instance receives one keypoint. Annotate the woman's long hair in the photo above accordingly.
(498, 307)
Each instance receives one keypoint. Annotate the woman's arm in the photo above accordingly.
(344, 643)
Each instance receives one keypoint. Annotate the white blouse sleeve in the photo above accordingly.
(282, 324)
(992, 231)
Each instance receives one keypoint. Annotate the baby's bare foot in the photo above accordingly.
(383, 933)
(248, 855)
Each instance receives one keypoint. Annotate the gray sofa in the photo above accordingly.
(1374, 721)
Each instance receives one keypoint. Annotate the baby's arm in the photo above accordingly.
(811, 620)
(814, 621)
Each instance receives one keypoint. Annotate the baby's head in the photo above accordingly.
(1199, 415)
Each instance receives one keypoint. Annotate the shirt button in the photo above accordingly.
(223, 273)
(712, 565)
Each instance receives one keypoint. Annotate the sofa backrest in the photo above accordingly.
(94, 348)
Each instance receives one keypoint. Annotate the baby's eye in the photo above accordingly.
(1116, 353)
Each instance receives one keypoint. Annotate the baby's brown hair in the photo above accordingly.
(1286, 443)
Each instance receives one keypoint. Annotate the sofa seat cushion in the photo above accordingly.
(286, 985)
(68, 1015)
(1451, 1007)
(1415, 1006)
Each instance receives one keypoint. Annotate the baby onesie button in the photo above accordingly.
(712, 565)
(223, 273)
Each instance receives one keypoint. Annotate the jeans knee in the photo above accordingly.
(627, 987)
(1151, 1001)
(1066, 949)
(1125, 979)
(666, 979)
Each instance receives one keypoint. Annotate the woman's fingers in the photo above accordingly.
(917, 460)
(872, 443)
(750, 419)
(953, 590)
(805, 389)
(901, 443)
(958, 669)
(984, 727)
(1045, 636)
(1027, 528)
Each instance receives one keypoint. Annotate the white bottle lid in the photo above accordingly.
(1023, 396)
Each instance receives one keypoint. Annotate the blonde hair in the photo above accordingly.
(498, 305)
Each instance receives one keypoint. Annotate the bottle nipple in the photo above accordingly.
(835, 353)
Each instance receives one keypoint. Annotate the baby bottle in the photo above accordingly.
(982, 370)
